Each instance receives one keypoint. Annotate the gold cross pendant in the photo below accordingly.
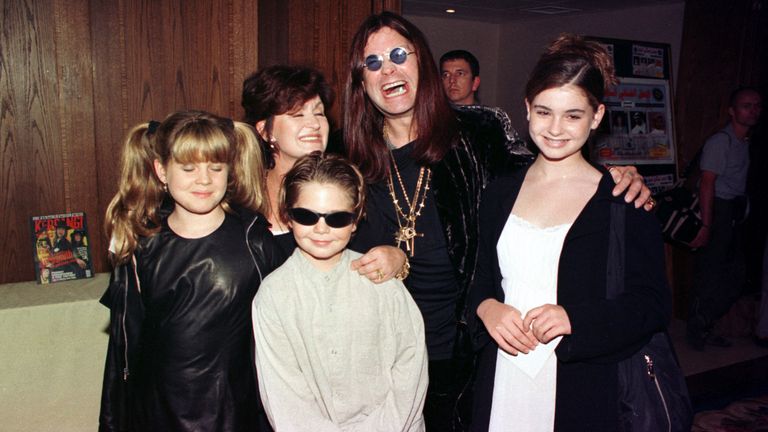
(408, 235)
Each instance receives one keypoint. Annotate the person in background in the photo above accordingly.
(460, 72)
(719, 271)
(287, 106)
(550, 338)
(180, 335)
(333, 350)
(426, 165)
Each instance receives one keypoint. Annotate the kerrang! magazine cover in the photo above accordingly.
(61, 247)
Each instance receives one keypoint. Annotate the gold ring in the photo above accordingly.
(379, 274)
(651, 202)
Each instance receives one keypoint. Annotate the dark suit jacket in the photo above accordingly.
(603, 331)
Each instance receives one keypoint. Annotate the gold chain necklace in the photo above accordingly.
(406, 232)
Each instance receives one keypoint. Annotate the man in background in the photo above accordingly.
(720, 270)
(460, 72)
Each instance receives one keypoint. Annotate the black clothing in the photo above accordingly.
(61, 244)
(440, 396)
(486, 147)
(285, 242)
(180, 350)
(603, 331)
(720, 270)
(432, 281)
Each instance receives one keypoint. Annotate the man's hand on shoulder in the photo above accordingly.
(630, 182)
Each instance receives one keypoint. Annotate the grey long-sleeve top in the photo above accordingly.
(335, 352)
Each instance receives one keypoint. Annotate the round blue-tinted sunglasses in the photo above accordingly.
(307, 217)
(397, 56)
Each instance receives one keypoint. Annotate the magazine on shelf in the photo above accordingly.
(61, 247)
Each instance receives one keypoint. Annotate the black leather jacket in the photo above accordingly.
(128, 312)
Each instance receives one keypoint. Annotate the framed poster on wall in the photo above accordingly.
(637, 126)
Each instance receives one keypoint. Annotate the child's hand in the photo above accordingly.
(505, 325)
(380, 264)
(548, 322)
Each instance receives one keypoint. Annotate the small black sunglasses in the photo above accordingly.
(307, 217)
(397, 56)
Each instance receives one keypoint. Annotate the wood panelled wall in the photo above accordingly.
(75, 75)
(724, 46)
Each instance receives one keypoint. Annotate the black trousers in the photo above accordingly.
(448, 404)
(719, 272)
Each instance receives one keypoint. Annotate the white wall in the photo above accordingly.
(508, 52)
(479, 38)
(521, 43)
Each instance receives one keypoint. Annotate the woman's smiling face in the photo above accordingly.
(299, 132)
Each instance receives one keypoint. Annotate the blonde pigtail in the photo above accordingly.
(133, 210)
(248, 187)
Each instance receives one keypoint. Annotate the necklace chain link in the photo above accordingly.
(406, 232)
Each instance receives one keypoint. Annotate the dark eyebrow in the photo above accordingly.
(575, 110)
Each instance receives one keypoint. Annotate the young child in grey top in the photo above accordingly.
(334, 351)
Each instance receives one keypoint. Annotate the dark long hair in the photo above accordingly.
(432, 115)
(570, 59)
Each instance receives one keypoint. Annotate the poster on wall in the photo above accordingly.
(647, 61)
(636, 128)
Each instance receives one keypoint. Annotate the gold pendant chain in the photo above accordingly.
(406, 232)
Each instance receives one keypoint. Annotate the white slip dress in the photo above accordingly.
(524, 385)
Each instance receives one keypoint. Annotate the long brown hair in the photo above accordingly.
(432, 115)
(186, 136)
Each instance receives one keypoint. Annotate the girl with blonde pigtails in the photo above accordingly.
(189, 249)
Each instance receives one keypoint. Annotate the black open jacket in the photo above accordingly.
(603, 331)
